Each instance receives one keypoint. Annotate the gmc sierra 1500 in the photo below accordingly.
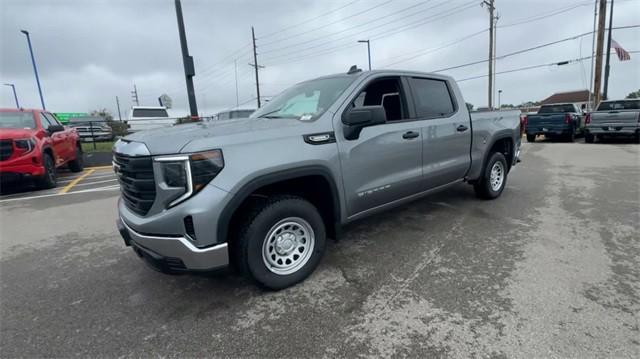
(264, 193)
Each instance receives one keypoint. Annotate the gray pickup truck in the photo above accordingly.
(263, 193)
(614, 119)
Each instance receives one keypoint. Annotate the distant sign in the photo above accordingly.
(64, 117)
(165, 100)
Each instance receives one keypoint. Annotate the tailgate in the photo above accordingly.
(614, 119)
(549, 122)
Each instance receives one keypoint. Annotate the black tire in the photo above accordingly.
(260, 219)
(49, 179)
(77, 165)
(589, 138)
(571, 136)
(531, 138)
(637, 137)
(483, 187)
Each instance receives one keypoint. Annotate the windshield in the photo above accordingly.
(307, 100)
(619, 105)
(557, 109)
(17, 120)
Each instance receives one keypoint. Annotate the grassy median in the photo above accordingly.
(99, 146)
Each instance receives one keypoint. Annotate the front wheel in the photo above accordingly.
(494, 177)
(280, 241)
(49, 178)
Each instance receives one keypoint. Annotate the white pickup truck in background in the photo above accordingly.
(148, 117)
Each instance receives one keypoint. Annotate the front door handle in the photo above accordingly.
(409, 135)
(462, 128)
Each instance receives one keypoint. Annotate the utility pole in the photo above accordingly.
(15, 96)
(235, 67)
(134, 95)
(602, 15)
(491, 8)
(35, 68)
(593, 53)
(187, 60)
(368, 51)
(255, 65)
(118, 105)
(605, 91)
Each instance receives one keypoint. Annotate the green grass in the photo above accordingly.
(100, 147)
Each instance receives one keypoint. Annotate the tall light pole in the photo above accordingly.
(368, 51)
(187, 61)
(499, 93)
(14, 94)
(35, 68)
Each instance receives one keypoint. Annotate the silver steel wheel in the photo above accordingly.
(497, 176)
(288, 245)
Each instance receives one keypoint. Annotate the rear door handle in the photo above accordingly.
(462, 128)
(409, 135)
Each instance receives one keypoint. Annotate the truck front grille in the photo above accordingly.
(137, 184)
(6, 149)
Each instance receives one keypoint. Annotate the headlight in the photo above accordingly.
(25, 144)
(189, 173)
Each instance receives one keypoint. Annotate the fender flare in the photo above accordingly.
(247, 189)
(492, 143)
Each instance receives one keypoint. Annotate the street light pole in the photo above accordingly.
(35, 68)
(368, 51)
(14, 94)
(499, 93)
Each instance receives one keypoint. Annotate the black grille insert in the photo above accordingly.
(137, 184)
(6, 149)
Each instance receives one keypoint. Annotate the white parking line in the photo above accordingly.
(99, 189)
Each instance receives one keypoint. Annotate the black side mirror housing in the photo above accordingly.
(358, 118)
(55, 128)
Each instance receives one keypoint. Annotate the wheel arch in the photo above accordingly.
(274, 183)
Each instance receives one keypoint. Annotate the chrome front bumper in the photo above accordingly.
(169, 254)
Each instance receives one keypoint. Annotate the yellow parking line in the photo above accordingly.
(75, 181)
(98, 167)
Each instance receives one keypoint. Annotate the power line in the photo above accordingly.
(307, 21)
(529, 49)
(558, 63)
(350, 36)
(324, 26)
(382, 34)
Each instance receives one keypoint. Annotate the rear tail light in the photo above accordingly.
(587, 119)
(567, 118)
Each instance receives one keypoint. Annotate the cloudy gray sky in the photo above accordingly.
(88, 52)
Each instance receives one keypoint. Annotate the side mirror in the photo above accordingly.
(55, 128)
(357, 118)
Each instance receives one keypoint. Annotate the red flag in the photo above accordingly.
(623, 55)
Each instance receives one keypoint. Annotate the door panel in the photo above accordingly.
(381, 165)
(446, 150)
(446, 131)
(58, 140)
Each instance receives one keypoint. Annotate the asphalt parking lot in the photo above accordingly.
(550, 269)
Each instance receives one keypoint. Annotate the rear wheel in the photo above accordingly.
(531, 138)
(49, 178)
(77, 165)
(494, 177)
(571, 137)
(280, 241)
(589, 138)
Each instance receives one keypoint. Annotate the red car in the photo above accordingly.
(33, 144)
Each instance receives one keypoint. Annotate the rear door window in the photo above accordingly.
(432, 97)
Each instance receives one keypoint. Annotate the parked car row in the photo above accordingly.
(33, 144)
(615, 118)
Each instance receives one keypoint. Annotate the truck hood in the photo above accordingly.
(172, 140)
(14, 133)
